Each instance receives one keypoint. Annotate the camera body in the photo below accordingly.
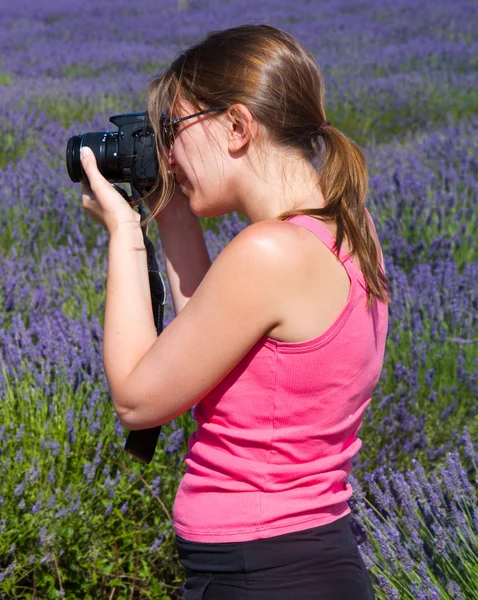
(124, 156)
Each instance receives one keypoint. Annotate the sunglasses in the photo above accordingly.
(169, 127)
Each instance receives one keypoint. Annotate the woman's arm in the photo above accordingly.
(239, 301)
(184, 250)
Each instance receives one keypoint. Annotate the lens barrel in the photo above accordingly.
(124, 156)
(73, 159)
(104, 145)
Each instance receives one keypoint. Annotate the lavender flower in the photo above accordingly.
(157, 543)
(175, 441)
(405, 97)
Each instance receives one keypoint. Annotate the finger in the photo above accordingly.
(86, 190)
(97, 182)
(88, 199)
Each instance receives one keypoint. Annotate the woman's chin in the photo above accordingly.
(199, 211)
(202, 209)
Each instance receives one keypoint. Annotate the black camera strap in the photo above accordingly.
(142, 443)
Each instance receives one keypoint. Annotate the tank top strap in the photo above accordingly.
(317, 227)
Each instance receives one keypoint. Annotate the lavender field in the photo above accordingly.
(79, 518)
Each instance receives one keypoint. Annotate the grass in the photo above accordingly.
(107, 554)
(378, 124)
(68, 111)
(6, 79)
(79, 71)
(12, 148)
(104, 551)
(447, 384)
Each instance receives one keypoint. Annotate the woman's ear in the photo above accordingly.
(241, 126)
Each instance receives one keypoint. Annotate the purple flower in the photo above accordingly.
(176, 439)
(411, 80)
(19, 456)
(42, 535)
(19, 489)
(20, 432)
(386, 587)
(454, 590)
(51, 475)
(157, 543)
(68, 492)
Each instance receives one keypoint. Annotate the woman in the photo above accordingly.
(279, 343)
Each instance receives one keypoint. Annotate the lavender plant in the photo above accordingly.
(418, 531)
(81, 519)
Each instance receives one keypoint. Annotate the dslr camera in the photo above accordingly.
(124, 156)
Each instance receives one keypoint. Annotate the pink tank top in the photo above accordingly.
(275, 439)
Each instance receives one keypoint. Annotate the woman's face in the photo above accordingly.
(201, 163)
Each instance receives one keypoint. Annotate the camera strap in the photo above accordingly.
(142, 443)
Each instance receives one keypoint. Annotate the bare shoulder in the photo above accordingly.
(255, 266)
(300, 281)
(267, 240)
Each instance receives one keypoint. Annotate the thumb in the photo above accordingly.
(95, 178)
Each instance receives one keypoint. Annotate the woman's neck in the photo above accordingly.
(285, 185)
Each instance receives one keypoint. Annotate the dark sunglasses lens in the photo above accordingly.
(165, 130)
(166, 136)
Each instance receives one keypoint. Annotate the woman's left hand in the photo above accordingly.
(105, 205)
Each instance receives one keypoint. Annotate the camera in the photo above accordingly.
(124, 156)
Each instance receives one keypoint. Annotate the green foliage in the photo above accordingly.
(420, 526)
(426, 400)
(86, 547)
(12, 148)
(373, 118)
(67, 111)
(97, 536)
(6, 79)
(78, 71)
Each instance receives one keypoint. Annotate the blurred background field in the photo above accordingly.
(79, 518)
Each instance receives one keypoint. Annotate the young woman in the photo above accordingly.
(279, 343)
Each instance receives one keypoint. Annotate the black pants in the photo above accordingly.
(322, 563)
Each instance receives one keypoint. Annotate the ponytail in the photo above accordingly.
(344, 184)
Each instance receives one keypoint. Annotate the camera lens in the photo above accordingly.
(104, 145)
(73, 159)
